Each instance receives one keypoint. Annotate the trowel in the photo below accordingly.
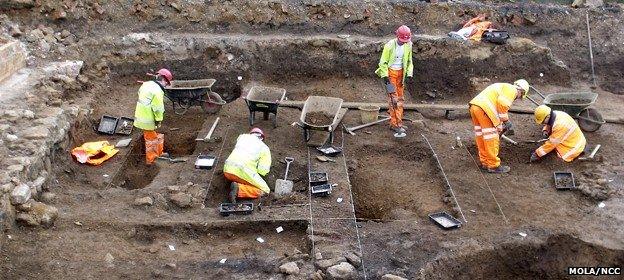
(284, 186)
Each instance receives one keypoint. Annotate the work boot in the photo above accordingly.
(500, 169)
(233, 192)
(399, 132)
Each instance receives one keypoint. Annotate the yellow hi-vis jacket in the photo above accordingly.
(387, 57)
(150, 107)
(249, 160)
(495, 101)
(565, 136)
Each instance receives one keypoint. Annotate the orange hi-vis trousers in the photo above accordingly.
(396, 115)
(154, 145)
(486, 137)
(245, 189)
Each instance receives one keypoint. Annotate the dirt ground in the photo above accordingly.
(127, 220)
(395, 184)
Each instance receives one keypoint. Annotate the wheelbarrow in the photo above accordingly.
(576, 104)
(185, 93)
(320, 113)
(266, 100)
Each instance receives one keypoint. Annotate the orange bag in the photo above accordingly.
(94, 153)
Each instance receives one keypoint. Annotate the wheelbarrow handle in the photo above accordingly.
(538, 92)
(532, 100)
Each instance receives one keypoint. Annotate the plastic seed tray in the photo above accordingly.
(205, 162)
(564, 180)
(245, 208)
(445, 220)
(107, 125)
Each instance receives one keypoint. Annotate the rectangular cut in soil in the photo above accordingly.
(318, 119)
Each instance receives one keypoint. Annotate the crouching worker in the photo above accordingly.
(249, 160)
(564, 134)
(149, 113)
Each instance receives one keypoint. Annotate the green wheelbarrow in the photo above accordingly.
(577, 105)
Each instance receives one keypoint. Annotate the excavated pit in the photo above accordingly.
(134, 173)
(411, 189)
(526, 259)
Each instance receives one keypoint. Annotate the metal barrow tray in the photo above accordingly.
(445, 220)
(328, 106)
(186, 93)
(266, 100)
(572, 103)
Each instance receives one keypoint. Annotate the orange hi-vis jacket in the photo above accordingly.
(565, 136)
(495, 101)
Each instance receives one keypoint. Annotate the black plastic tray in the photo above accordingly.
(246, 208)
(108, 124)
(564, 180)
(200, 162)
(330, 150)
(322, 179)
(322, 190)
(445, 220)
(127, 129)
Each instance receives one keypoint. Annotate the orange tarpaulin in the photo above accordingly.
(94, 153)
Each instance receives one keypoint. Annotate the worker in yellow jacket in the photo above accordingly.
(248, 162)
(564, 134)
(149, 113)
(489, 113)
(395, 65)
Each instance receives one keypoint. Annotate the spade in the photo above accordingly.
(284, 186)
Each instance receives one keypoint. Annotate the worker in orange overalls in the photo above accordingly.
(245, 166)
(395, 65)
(489, 116)
(564, 134)
(149, 113)
(473, 29)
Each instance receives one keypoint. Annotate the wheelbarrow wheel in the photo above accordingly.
(211, 103)
(590, 120)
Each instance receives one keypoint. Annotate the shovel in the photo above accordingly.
(284, 186)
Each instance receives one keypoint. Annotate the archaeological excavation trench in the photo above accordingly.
(124, 219)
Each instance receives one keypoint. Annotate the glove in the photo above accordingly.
(534, 157)
(507, 125)
(500, 128)
(386, 80)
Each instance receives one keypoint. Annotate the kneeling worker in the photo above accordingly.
(249, 160)
(563, 134)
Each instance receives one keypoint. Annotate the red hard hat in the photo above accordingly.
(403, 33)
(258, 131)
(165, 73)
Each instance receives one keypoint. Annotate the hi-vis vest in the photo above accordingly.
(150, 107)
(565, 136)
(495, 101)
(387, 56)
(250, 159)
